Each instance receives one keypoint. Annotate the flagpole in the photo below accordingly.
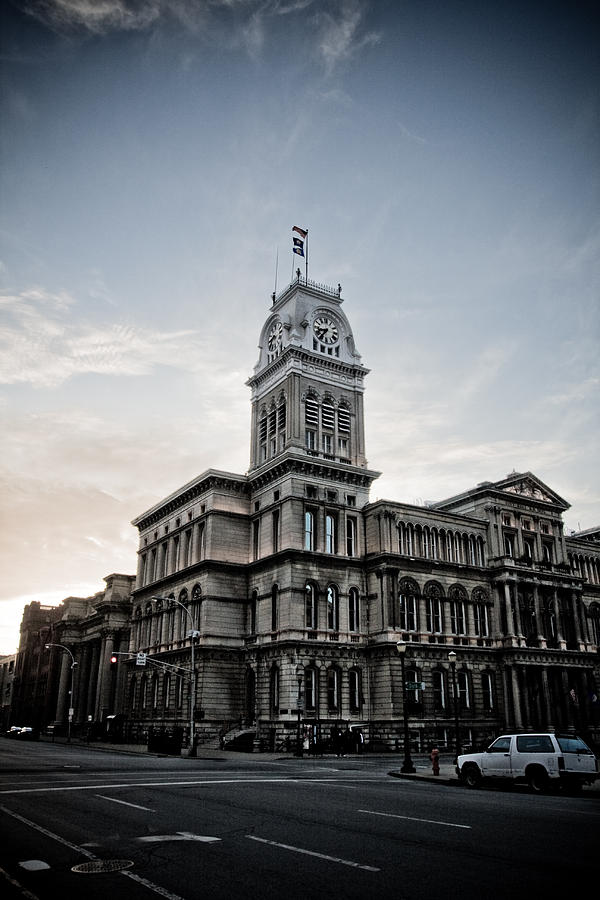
(307, 255)
(276, 267)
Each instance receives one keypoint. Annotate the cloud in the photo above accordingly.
(341, 33)
(43, 346)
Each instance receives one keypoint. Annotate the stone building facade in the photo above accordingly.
(296, 589)
(63, 677)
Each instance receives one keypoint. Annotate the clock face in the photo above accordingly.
(274, 338)
(325, 329)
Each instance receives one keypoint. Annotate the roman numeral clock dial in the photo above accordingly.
(325, 330)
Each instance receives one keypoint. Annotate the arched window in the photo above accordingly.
(311, 421)
(353, 610)
(355, 690)
(330, 533)
(458, 597)
(334, 689)
(333, 608)
(433, 607)
(196, 605)
(310, 605)
(407, 605)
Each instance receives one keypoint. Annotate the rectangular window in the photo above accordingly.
(353, 610)
(256, 538)
(330, 533)
(309, 530)
(457, 617)
(350, 537)
(333, 689)
(355, 689)
(311, 439)
(481, 620)
(408, 612)
(327, 443)
(275, 529)
(310, 688)
(311, 606)
(343, 447)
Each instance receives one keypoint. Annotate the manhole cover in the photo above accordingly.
(103, 865)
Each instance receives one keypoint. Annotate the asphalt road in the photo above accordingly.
(275, 828)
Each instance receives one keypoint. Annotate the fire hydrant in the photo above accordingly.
(435, 761)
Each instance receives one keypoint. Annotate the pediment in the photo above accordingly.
(528, 486)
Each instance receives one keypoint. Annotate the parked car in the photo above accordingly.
(23, 733)
(540, 760)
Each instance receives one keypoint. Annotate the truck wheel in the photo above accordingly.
(471, 776)
(537, 779)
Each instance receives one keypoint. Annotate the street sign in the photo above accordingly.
(140, 659)
(415, 685)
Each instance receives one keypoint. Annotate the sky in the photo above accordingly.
(154, 157)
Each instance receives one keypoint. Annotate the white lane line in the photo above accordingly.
(156, 888)
(125, 803)
(372, 812)
(23, 892)
(178, 836)
(132, 784)
(336, 859)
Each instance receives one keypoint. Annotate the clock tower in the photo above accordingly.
(307, 387)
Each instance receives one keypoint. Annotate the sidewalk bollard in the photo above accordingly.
(435, 761)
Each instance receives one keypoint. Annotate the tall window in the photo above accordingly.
(439, 690)
(334, 688)
(350, 536)
(311, 688)
(333, 608)
(481, 620)
(179, 691)
(167, 690)
(353, 610)
(275, 530)
(487, 690)
(355, 689)
(274, 607)
(256, 539)
(253, 610)
(330, 533)
(464, 693)
(309, 530)
(407, 605)
(433, 609)
(274, 691)
(310, 605)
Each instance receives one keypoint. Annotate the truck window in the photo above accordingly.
(534, 743)
(572, 745)
(501, 745)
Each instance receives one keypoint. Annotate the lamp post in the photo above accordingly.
(452, 661)
(71, 695)
(407, 765)
(193, 635)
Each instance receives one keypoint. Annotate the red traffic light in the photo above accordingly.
(113, 660)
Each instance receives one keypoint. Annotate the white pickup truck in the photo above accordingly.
(541, 760)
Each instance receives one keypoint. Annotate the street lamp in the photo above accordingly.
(452, 660)
(407, 765)
(193, 635)
(71, 707)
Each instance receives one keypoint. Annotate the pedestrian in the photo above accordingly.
(435, 761)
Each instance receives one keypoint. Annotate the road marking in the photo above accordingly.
(178, 836)
(125, 803)
(23, 892)
(372, 812)
(132, 784)
(156, 888)
(34, 865)
(336, 859)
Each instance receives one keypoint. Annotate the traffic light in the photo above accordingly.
(113, 663)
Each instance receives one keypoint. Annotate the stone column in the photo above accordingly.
(557, 618)
(539, 618)
(577, 620)
(510, 632)
(105, 675)
(64, 685)
(547, 711)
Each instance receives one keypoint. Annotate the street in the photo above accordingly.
(273, 827)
